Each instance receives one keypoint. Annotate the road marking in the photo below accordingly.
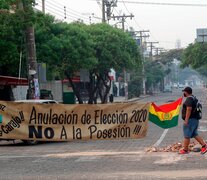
(174, 174)
(20, 156)
(202, 121)
(94, 153)
(87, 159)
(76, 154)
(172, 159)
(202, 128)
(161, 138)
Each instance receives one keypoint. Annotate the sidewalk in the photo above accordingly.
(120, 99)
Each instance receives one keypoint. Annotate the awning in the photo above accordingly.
(74, 79)
(8, 80)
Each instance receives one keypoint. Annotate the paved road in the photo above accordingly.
(124, 159)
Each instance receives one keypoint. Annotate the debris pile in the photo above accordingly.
(171, 148)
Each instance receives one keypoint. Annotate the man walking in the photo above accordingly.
(191, 122)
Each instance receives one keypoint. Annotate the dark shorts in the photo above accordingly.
(191, 130)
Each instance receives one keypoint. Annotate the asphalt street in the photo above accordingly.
(109, 159)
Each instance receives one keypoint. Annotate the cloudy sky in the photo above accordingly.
(167, 24)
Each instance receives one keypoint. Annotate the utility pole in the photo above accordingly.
(123, 18)
(33, 91)
(141, 36)
(142, 33)
(151, 47)
(142, 49)
(103, 12)
(43, 6)
(106, 9)
(158, 50)
(109, 5)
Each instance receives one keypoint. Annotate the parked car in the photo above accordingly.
(38, 101)
(181, 86)
(167, 89)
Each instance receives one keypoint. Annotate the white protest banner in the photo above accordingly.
(59, 122)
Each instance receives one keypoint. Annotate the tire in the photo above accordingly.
(30, 142)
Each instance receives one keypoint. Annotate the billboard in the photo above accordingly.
(201, 35)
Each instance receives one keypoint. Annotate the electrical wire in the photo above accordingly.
(117, 12)
(99, 4)
(126, 7)
(78, 16)
(136, 21)
(69, 14)
(60, 9)
(52, 11)
(60, 6)
(129, 13)
(165, 4)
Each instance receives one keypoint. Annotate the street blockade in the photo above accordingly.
(60, 122)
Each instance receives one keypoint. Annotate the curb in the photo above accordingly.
(131, 100)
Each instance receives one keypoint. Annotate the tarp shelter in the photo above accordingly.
(12, 81)
(6, 85)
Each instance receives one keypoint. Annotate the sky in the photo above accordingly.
(167, 24)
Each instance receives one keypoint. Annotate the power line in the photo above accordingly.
(57, 12)
(136, 21)
(165, 4)
(99, 4)
(123, 18)
(62, 6)
(56, 4)
(69, 14)
(119, 13)
(129, 12)
(125, 6)
(53, 11)
(60, 9)
(76, 13)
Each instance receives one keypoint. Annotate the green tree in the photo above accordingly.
(11, 40)
(66, 48)
(169, 56)
(12, 35)
(114, 49)
(195, 55)
(6, 4)
(48, 44)
(135, 85)
(155, 73)
(202, 70)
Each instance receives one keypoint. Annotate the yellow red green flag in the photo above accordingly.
(166, 115)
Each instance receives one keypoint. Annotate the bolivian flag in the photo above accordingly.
(166, 115)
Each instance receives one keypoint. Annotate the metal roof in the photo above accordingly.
(9, 80)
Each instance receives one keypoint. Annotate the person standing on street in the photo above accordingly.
(191, 122)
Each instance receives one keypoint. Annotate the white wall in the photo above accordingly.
(20, 92)
(55, 87)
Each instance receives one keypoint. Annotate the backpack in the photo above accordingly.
(197, 109)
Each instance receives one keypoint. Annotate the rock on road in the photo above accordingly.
(111, 159)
